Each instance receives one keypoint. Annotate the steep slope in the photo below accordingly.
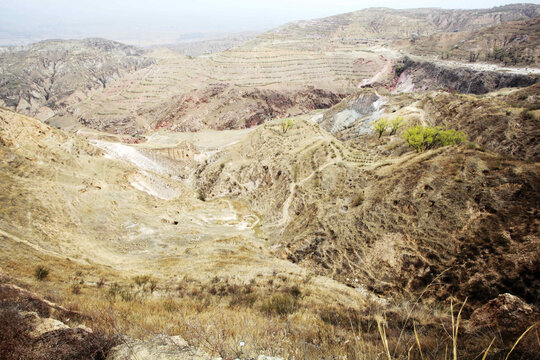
(42, 78)
(377, 215)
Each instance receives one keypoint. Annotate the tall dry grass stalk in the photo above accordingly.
(519, 339)
(455, 327)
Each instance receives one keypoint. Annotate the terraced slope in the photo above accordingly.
(288, 71)
(180, 93)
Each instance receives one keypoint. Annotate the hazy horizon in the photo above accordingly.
(142, 23)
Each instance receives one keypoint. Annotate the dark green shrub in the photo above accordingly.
(424, 138)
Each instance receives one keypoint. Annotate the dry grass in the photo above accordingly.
(279, 321)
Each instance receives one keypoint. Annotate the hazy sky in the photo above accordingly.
(130, 20)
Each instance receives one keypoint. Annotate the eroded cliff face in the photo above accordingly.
(458, 77)
(223, 107)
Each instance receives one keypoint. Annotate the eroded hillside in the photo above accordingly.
(378, 214)
(43, 78)
(285, 72)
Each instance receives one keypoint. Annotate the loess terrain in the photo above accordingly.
(238, 204)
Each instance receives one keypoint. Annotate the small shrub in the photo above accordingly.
(153, 285)
(124, 293)
(424, 138)
(295, 291)
(279, 304)
(169, 305)
(380, 126)
(76, 289)
(286, 124)
(526, 115)
(141, 280)
(201, 197)
(245, 300)
(41, 273)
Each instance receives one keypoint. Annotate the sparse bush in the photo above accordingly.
(380, 126)
(41, 273)
(153, 285)
(116, 291)
(169, 305)
(424, 138)
(279, 304)
(286, 124)
(201, 197)
(295, 291)
(245, 300)
(141, 280)
(526, 115)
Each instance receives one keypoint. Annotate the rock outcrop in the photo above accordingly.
(34, 328)
(159, 348)
(507, 315)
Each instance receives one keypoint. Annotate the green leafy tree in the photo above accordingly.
(424, 138)
(380, 126)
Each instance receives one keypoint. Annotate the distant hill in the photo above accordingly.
(40, 78)
(210, 46)
(512, 43)
(385, 23)
(295, 68)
